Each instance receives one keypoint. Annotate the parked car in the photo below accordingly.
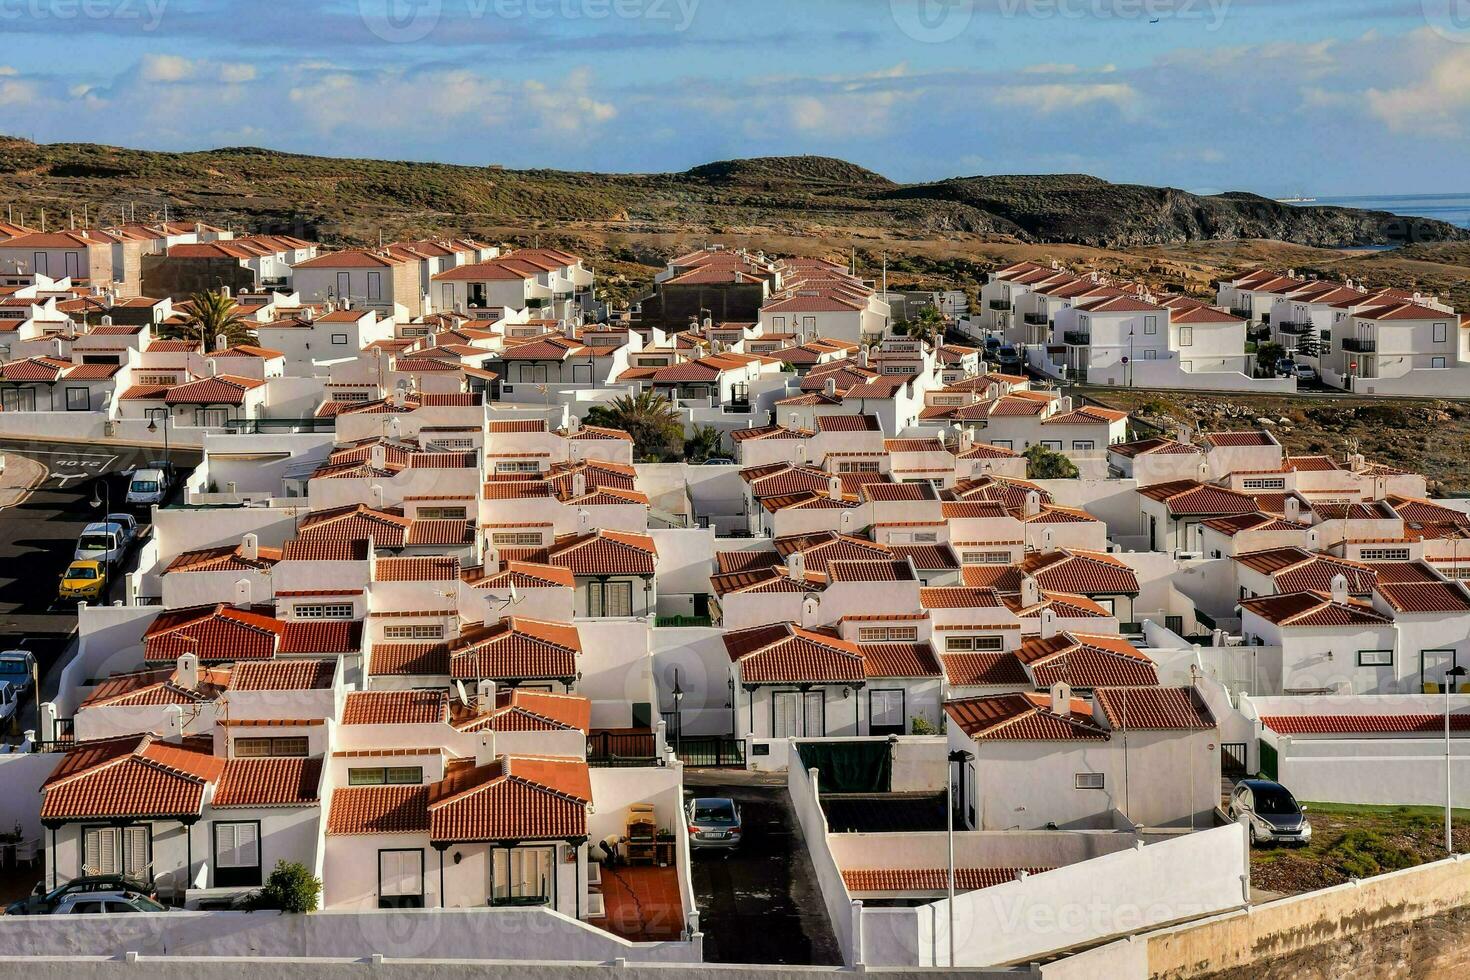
(9, 702)
(40, 901)
(17, 666)
(95, 903)
(148, 486)
(1285, 367)
(82, 580)
(1305, 372)
(1271, 812)
(128, 521)
(719, 461)
(714, 823)
(103, 541)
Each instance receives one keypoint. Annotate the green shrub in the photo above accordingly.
(291, 887)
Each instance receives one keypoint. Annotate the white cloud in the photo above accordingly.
(166, 68)
(1059, 96)
(1438, 103)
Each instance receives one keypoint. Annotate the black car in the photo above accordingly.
(41, 902)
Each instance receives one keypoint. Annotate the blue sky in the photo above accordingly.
(1275, 96)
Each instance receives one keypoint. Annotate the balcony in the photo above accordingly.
(1294, 328)
(1001, 305)
(1243, 312)
(1359, 346)
(1037, 319)
(1077, 338)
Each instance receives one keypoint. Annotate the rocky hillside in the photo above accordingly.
(348, 200)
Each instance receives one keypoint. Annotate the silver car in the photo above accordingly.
(714, 823)
(101, 903)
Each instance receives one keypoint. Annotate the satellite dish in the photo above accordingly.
(459, 689)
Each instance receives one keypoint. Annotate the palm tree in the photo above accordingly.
(928, 326)
(211, 315)
(656, 426)
(706, 442)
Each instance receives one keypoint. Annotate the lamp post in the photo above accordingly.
(1449, 685)
(153, 427)
(102, 497)
(959, 756)
(678, 716)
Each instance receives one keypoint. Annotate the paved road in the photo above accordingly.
(38, 538)
(760, 904)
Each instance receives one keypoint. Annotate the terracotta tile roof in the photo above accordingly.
(396, 708)
(1312, 609)
(514, 798)
(1424, 597)
(447, 532)
(520, 710)
(958, 597)
(780, 479)
(1235, 524)
(321, 636)
(217, 633)
(759, 580)
(526, 575)
(847, 423)
(1189, 497)
(1237, 439)
(929, 879)
(133, 778)
(899, 660)
(356, 522)
(323, 548)
(981, 669)
(604, 553)
(1145, 447)
(927, 556)
(223, 559)
(745, 561)
(424, 568)
(269, 782)
(409, 659)
(379, 810)
(1076, 572)
(1405, 724)
(1022, 717)
(823, 547)
(282, 675)
(516, 648)
(1086, 660)
(870, 570)
(1154, 708)
(154, 687)
(222, 390)
(786, 653)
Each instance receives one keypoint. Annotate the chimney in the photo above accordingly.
(811, 608)
(1030, 591)
(584, 521)
(1293, 508)
(186, 672)
(579, 484)
(709, 323)
(834, 488)
(173, 723)
(796, 566)
(1183, 434)
(1061, 699)
(1048, 623)
(1339, 588)
(863, 357)
(250, 547)
(378, 456)
(484, 697)
(485, 749)
(1033, 503)
(1064, 405)
(242, 593)
(829, 388)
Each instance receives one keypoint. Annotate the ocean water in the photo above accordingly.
(1454, 208)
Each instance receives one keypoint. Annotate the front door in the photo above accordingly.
(1433, 667)
(785, 714)
(814, 713)
(885, 712)
(522, 876)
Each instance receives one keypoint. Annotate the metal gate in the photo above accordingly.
(718, 751)
(1234, 758)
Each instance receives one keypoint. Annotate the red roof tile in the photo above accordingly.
(1154, 708)
(269, 782)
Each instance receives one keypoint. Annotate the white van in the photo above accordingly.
(147, 487)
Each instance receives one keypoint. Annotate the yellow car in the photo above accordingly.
(82, 580)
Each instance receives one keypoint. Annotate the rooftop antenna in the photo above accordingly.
(86, 223)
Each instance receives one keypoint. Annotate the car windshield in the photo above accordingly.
(1275, 801)
(95, 542)
(144, 486)
(81, 572)
(141, 903)
(16, 667)
(714, 813)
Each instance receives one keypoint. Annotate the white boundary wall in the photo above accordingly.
(803, 788)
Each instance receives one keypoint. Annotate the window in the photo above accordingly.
(971, 644)
(1375, 658)
(1088, 780)
(80, 399)
(386, 776)
(1150, 355)
(1082, 444)
(610, 599)
(375, 285)
(1384, 554)
(521, 539)
(1186, 336)
(924, 537)
(1150, 325)
(1001, 443)
(340, 339)
(350, 396)
(415, 331)
(1436, 362)
(441, 514)
(323, 610)
(117, 850)
(400, 879)
(888, 634)
(886, 712)
(419, 631)
(1265, 483)
(985, 557)
(517, 466)
(236, 853)
(522, 876)
(1055, 444)
(1441, 332)
(295, 746)
(861, 466)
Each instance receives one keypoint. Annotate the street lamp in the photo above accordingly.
(153, 427)
(960, 756)
(102, 497)
(678, 716)
(1449, 685)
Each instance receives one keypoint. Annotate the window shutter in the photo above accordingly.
(135, 851)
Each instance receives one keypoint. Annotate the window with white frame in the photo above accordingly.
(1186, 336)
(339, 339)
(1264, 483)
(1384, 554)
(1436, 362)
(442, 513)
(156, 379)
(858, 466)
(888, 634)
(1441, 332)
(1082, 444)
(1150, 325)
(972, 644)
(418, 631)
(272, 747)
(1088, 780)
(516, 539)
(322, 610)
(517, 466)
(385, 775)
(236, 853)
(985, 557)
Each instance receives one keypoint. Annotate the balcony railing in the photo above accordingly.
(1294, 327)
(1077, 338)
(1359, 346)
(1037, 319)
(1243, 312)
(1000, 305)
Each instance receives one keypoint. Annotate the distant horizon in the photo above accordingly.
(1340, 97)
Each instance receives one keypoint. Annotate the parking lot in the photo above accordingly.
(760, 903)
(39, 525)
